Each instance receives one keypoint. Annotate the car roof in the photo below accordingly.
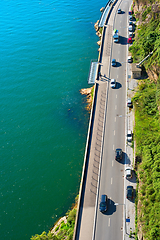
(118, 149)
(113, 80)
(129, 132)
(127, 168)
(103, 197)
(129, 99)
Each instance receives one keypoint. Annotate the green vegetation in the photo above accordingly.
(44, 236)
(147, 40)
(147, 123)
(92, 93)
(147, 134)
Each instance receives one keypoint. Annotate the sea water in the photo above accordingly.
(45, 51)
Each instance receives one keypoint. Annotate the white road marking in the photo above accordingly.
(115, 107)
(116, 95)
(117, 76)
(111, 180)
(113, 147)
(112, 163)
(109, 222)
(114, 132)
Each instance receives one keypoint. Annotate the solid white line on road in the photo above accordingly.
(109, 222)
(115, 107)
(113, 146)
(111, 180)
(115, 119)
(112, 163)
(114, 132)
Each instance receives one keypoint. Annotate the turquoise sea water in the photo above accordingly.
(45, 54)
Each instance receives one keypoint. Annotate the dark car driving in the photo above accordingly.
(103, 203)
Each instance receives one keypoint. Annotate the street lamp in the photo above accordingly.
(116, 204)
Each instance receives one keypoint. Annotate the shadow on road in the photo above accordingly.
(118, 85)
(122, 40)
(111, 207)
(118, 64)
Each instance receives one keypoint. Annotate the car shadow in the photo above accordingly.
(118, 64)
(111, 207)
(122, 40)
(125, 156)
(118, 85)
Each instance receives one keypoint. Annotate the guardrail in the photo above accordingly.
(85, 163)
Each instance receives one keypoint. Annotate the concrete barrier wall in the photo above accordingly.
(85, 164)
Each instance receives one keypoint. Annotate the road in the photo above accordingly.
(110, 225)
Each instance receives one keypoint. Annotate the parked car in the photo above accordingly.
(129, 192)
(130, 28)
(130, 35)
(113, 83)
(118, 154)
(131, 23)
(130, 59)
(131, 18)
(129, 40)
(114, 62)
(130, 12)
(103, 203)
(129, 103)
(129, 136)
(128, 172)
(119, 11)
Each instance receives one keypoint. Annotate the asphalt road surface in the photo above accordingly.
(110, 225)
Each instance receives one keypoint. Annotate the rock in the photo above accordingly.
(99, 42)
(58, 224)
(102, 9)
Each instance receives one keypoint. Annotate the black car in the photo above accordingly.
(129, 193)
(118, 154)
(103, 203)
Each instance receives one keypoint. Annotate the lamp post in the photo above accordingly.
(116, 204)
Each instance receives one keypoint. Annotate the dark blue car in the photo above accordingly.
(103, 203)
(113, 62)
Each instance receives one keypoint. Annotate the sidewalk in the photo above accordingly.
(130, 206)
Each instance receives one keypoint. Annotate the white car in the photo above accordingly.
(113, 83)
(129, 136)
(130, 59)
(130, 28)
(128, 172)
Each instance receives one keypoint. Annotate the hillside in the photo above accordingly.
(147, 119)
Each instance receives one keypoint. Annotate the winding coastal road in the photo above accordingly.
(110, 225)
(105, 175)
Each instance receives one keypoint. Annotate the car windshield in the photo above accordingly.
(102, 204)
(129, 135)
